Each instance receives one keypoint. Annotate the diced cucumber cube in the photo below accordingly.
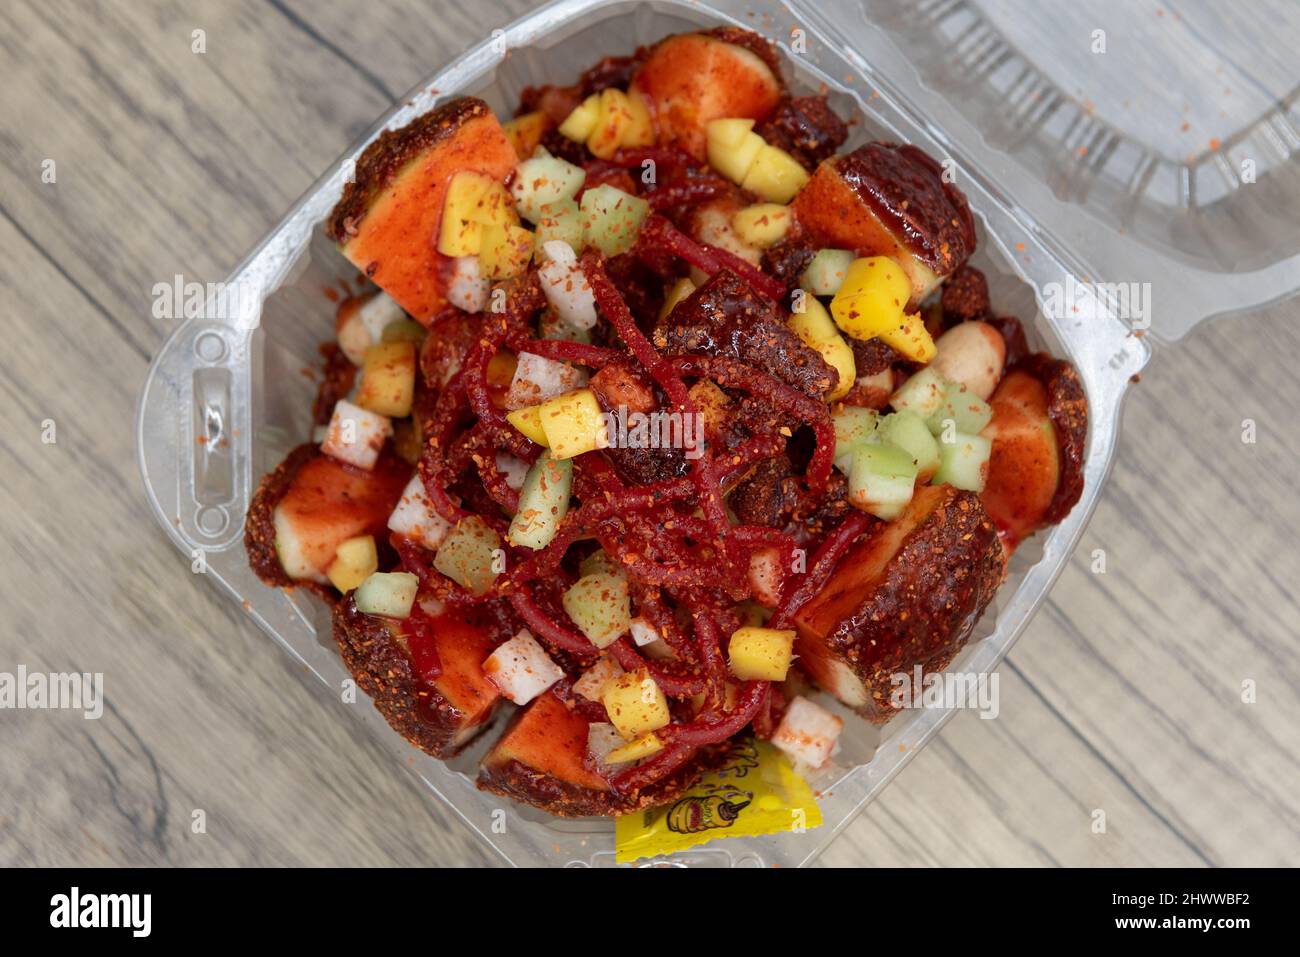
(881, 480)
(967, 411)
(601, 606)
(543, 181)
(963, 462)
(825, 273)
(612, 219)
(468, 555)
(924, 393)
(562, 221)
(908, 431)
(543, 502)
(854, 426)
(390, 594)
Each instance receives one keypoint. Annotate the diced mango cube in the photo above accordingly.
(732, 147)
(579, 124)
(871, 304)
(528, 420)
(573, 423)
(354, 561)
(639, 132)
(473, 201)
(815, 328)
(775, 175)
(642, 747)
(525, 132)
(762, 224)
(388, 379)
(761, 654)
(612, 122)
(505, 251)
(680, 290)
(635, 705)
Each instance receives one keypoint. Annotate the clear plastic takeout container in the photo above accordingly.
(1072, 178)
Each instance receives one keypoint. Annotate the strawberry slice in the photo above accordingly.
(907, 593)
(423, 673)
(387, 222)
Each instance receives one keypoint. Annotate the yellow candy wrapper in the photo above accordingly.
(756, 792)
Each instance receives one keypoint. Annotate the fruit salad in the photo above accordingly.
(665, 418)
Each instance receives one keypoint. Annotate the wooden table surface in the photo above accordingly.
(1125, 694)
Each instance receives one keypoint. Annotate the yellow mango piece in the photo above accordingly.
(817, 330)
(461, 231)
(761, 654)
(679, 291)
(505, 251)
(732, 147)
(525, 132)
(640, 131)
(612, 122)
(635, 704)
(642, 747)
(871, 302)
(573, 423)
(388, 379)
(775, 175)
(762, 224)
(579, 124)
(528, 420)
(355, 560)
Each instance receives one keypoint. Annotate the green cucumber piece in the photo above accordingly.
(543, 502)
(963, 462)
(598, 561)
(854, 426)
(825, 273)
(924, 393)
(541, 182)
(967, 411)
(390, 594)
(467, 555)
(909, 432)
(881, 480)
(562, 221)
(611, 219)
(601, 606)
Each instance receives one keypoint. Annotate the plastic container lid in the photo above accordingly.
(1073, 170)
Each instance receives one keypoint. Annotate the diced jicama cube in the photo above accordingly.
(521, 668)
(766, 576)
(635, 704)
(565, 286)
(415, 517)
(356, 435)
(643, 633)
(514, 469)
(593, 680)
(390, 594)
(537, 379)
(602, 738)
(377, 313)
(468, 288)
(807, 732)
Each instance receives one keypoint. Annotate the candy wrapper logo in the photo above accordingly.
(756, 792)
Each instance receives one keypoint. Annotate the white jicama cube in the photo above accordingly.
(643, 633)
(602, 738)
(415, 517)
(379, 311)
(468, 289)
(514, 469)
(566, 287)
(356, 435)
(594, 679)
(521, 668)
(807, 732)
(538, 379)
